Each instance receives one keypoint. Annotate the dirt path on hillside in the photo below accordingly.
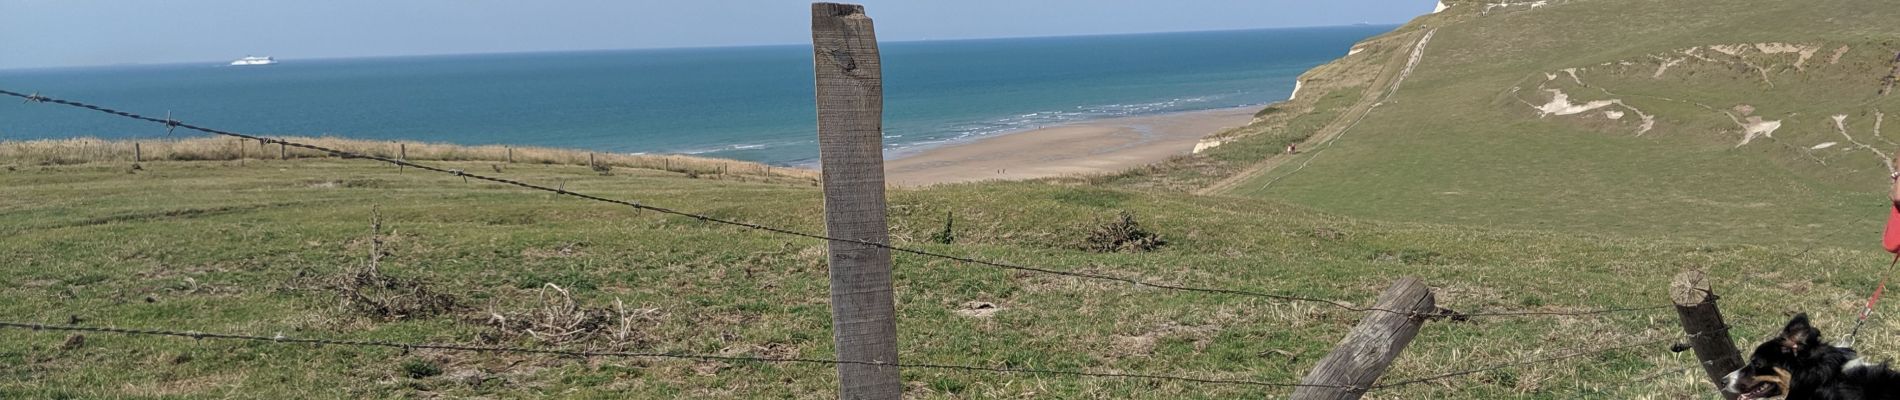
(1375, 94)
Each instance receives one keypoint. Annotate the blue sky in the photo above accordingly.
(53, 33)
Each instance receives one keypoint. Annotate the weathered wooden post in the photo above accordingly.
(1371, 346)
(402, 153)
(1708, 334)
(283, 151)
(850, 88)
(138, 154)
(511, 155)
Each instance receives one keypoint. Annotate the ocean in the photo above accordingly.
(748, 103)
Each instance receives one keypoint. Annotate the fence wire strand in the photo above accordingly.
(1520, 363)
(1540, 360)
(171, 123)
(407, 346)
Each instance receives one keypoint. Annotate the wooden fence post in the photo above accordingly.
(1371, 346)
(283, 151)
(138, 154)
(1708, 334)
(850, 88)
(590, 161)
(511, 155)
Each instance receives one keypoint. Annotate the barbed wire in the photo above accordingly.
(171, 123)
(1541, 360)
(408, 346)
(1566, 356)
(1563, 313)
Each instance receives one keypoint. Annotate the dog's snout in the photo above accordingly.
(1729, 382)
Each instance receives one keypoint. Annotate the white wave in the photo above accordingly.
(736, 147)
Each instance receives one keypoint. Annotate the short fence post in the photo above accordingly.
(138, 155)
(590, 161)
(850, 89)
(1371, 346)
(402, 153)
(283, 151)
(511, 155)
(1702, 321)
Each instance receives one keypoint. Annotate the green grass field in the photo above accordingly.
(1457, 178)
(252, 249)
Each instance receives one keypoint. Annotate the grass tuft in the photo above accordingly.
(418, 368)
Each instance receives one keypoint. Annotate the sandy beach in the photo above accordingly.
(1099, 146)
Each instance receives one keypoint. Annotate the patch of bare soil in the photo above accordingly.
(979, 309)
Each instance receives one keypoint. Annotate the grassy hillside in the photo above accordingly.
(1475, 135)
(278, 247)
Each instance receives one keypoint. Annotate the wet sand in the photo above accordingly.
(1101, 146)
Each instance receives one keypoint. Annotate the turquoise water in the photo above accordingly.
(750, 103)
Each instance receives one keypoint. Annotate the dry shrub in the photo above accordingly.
(558, 319)
(368, 292)
(1123, 234)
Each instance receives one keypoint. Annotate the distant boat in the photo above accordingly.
(254, 61)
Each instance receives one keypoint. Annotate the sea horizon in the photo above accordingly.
(220, 62)
(749, 103)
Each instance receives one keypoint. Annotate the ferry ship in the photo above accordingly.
(254, 61)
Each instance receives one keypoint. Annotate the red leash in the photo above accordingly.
(1872, 300)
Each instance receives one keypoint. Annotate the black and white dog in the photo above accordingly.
(1799, 366)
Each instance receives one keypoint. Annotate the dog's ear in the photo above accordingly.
(1799, 335)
